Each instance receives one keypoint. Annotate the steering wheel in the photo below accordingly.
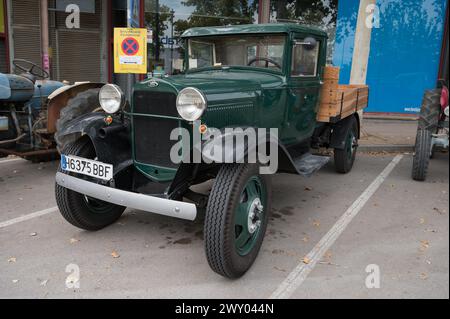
(31, 68)
(268, 60)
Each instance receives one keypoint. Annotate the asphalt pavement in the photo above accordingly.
(397, 232)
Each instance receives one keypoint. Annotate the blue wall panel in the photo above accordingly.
(405, 53)
(345, 37)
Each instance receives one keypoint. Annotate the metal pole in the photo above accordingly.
(264, 11)
(172, 14)
(44, 36)
(157, 31)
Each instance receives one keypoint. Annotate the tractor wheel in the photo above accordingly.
(430, 111)
(422, 155)
(236, 218)
(83, 103)
(80, 210)
(345, 158)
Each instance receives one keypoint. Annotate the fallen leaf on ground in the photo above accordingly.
(12, 259)
(74, 240)
(115, 254)
(424, 245)
(279, 269)
(305, 239)
(316, 223)
(306, 260)
(423, 276)
(328, 263)
(440, 212)
(422, 220)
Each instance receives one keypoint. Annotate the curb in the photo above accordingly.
(387, 148)
(387, 117)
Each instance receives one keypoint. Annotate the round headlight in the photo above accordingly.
(111, 98)
(191, 104)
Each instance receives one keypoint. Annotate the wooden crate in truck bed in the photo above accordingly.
(340, 101)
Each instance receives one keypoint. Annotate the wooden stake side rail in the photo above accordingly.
(340, 101)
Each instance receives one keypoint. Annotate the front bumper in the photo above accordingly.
(119, 197)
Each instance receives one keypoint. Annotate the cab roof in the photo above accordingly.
(253, 29)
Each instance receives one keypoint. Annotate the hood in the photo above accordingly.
(219, 84)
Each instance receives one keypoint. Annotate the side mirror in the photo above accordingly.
(309, 43)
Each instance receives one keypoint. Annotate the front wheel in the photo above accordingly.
(345, 158)
(422, 155)
(236, 218)
(80, 210)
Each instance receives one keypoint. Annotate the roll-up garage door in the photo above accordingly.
(26, 30)
(75, 53)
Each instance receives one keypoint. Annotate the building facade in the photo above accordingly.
(398, 47)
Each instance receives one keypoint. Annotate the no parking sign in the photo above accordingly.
(130, 50)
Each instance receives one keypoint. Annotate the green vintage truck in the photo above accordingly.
(236, 78)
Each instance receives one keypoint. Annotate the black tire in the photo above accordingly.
(345, 158)
(83, 103)
(220, 230)
(430, 111)
(422, 155)
(79, 210)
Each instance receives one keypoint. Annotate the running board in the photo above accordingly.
(308, 164)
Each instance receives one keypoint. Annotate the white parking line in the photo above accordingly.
(11, 160)
(28, 217)
(299, 274)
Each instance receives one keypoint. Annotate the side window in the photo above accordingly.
(201, 54)
(305, 60)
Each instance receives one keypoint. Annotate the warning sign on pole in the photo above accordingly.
(130, 50)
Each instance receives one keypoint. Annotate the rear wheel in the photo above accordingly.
(430, 111)
(423, 152)
(80, 210)
(345, 158)
(236, 218)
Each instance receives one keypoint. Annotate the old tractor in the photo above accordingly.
(31, 108)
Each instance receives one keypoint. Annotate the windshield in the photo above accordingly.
(256, 51)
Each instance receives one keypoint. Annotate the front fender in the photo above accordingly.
(114, 148)
(234, 147)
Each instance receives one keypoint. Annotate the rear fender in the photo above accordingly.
(340, 131)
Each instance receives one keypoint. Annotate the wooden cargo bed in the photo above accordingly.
(340, 101)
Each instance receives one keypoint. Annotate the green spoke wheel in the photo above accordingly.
(249, 215)
(236, 218)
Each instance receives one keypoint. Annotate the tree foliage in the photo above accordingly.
(217, 12)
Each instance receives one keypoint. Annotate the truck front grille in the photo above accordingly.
(155, 103)
(152, 140)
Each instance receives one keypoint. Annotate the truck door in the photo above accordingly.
(307, 59)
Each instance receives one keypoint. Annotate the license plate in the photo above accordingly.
(87, 167)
